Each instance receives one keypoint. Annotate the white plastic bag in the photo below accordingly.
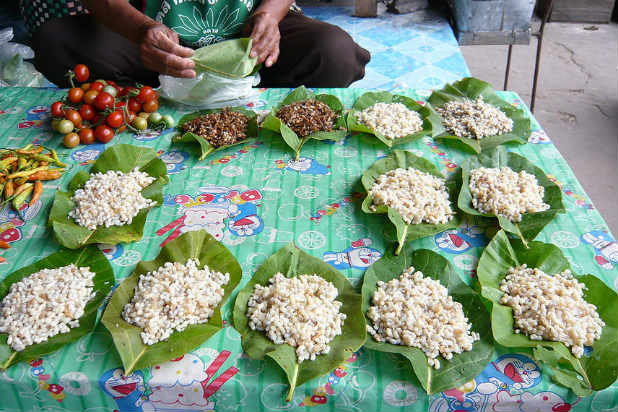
(209, 90)
(14, 71)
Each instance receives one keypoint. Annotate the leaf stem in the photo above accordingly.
(402, 241)
(521, 236)
(6, 364)
(292, 384)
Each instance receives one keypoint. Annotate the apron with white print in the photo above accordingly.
(201, 23)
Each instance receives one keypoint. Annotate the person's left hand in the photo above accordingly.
(266, 36)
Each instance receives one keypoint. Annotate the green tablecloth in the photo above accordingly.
(255, 199)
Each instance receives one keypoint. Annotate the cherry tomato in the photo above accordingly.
(124, 91)
(122, 128)
(86, 136)
(140, 123)
(129, 116)
(65, 126)
(56, 109)
(103, 101)
(146, 94)
(75, 95)
(133, 105)
(86, 112)
(70, 140)
(150, 106)
(154, 118)
(97, 118)
(103, 133)
(103, 82)
(114, 119)
(54, 124)
(97, 86)
(90, 95)
(85, 86)
(144, 115)
(110, 90)
(81, 72)
(74, 117)
(169, 121)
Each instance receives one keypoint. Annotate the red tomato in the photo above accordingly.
(81, 72)
(130, 117)
(124, 91)
(56, 109)
(97, 86)
(146, 94)
(74, 117)
(150, 106)
(122, 128)
(114, 119)
(75, 95)
(86, 112)
(85, 86)
(90, 96)
(134, 105)
(96, 119)
(103, 101)
(86, 136)
(103, 133)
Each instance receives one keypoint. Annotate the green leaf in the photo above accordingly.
(292, 262)
(595, 371)
(406, 232)
(462, 367)
(205, 148)
(133, 352)
(471, 88)
(429, 117)
(228, 58)
(271, 122)
(531, 224)
(121, 157)
(89, 256)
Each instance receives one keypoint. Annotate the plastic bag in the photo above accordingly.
(209, 90)
(14, 71)
(226, 76)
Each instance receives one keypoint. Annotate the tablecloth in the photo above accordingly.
(255, 198)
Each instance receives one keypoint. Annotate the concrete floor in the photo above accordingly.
(576, 100)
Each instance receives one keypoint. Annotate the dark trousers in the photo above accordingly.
(313, 53)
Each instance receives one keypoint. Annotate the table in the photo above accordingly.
(268, 201)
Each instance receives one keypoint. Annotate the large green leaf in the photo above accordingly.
(205, 148)
(531, 224)
(462, 367)
(471, 88)
(272, 122)
(121, 157)
(228, 58)
(292, 262)
(431, 120)
(405, 159)
(133, 352)
(89, 256)
(594, 371)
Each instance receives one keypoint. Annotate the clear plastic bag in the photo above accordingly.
(14, 71)
(209, 90)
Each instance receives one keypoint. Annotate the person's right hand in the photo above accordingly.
(161, 52)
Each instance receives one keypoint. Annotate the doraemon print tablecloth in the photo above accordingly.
(254, 198)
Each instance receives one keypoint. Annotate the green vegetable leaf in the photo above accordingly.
(462, 367)
(594, 371)
(228, 58)
(89, 256)
(133, 352)
(429, 117)
(121, 157)
(292, 262)
(471, 88)
(531, 224)
(271, 122)
(408, 232)
(205, 148)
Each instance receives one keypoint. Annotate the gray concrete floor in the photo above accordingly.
(576, 100)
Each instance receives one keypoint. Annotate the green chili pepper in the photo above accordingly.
(26, 173)
(20, 199)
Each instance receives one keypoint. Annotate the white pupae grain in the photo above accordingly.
(474, 119)
(391, 120)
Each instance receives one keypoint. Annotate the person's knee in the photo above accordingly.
(50, 51)
(341, 56)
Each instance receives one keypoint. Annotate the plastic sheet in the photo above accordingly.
(14, 71)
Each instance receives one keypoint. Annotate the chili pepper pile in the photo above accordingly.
(102, 109)
(22, 172)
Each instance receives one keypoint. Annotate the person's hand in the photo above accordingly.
(266, 36)
(161, 52)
